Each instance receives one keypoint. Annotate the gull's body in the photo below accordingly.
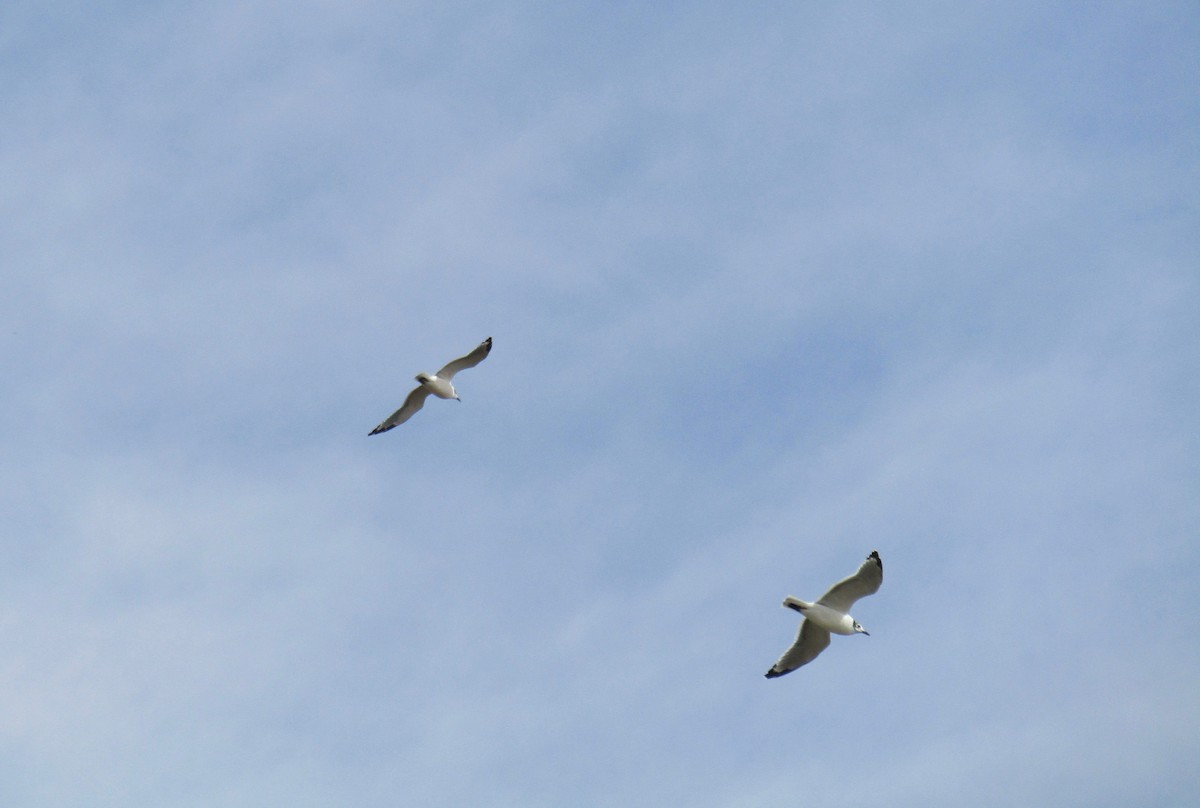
(828, 615)
(437, 384)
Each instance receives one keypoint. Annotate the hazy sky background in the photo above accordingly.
(771, 285)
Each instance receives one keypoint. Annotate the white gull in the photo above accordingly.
(436, 383)
(829, 614)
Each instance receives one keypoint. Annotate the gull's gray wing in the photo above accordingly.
(469, 361)
(811, 640)
(414, 402)
(866, 581)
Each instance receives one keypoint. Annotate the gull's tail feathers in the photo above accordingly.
(795, 603)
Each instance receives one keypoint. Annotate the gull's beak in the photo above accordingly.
(866, 632)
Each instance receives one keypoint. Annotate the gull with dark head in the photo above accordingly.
(437, 384)
(829, 614)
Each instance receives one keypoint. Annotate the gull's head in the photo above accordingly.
(858, 629)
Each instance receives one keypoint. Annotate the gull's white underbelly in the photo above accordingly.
(440, 387)
(830, 619)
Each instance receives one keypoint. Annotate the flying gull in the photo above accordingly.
(829, 614)
(436, 383)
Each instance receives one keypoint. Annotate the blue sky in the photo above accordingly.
(770, 287)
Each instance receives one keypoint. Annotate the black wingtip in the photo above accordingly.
(774, 674)
(378, 430)
(875, 555)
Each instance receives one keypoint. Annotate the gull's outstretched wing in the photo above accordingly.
(811, 640)
(469, 361)
(866, 581)
(414, 402)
